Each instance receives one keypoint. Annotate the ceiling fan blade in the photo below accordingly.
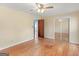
(39, 5)
(49, 7)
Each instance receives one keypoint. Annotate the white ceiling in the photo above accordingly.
(59, 8)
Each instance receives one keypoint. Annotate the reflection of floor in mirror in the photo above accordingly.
(44, 47)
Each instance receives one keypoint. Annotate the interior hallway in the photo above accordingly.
(45, 47)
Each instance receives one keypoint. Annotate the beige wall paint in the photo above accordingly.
(74, 23)
(74, 28)
(15, 27)
(49, 25)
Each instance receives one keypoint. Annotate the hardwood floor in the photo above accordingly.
(45, 47)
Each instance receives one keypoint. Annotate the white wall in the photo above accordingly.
(74, 26)
(49, 27)
(15, 27)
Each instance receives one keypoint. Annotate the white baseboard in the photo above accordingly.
(15, 44)
(74, 42)
(49, 38)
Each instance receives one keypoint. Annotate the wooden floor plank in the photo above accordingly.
(45, 47)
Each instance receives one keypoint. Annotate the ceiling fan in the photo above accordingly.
(42, 7)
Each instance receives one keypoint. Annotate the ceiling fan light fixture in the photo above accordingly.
(41, 7)
(42, 10)
(38, 10)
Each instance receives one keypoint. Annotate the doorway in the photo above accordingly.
(41, 28)
(38, 29)
(62, 29)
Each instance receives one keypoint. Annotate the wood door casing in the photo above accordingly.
(41, 28)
